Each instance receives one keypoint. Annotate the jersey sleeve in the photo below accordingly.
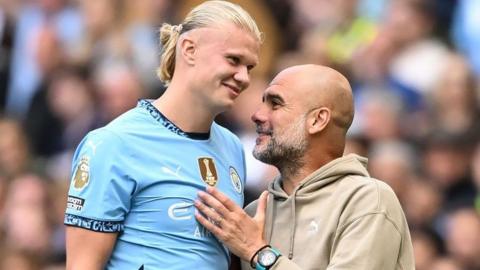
(100, 190)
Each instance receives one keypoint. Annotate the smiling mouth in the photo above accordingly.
(236, 90)
(263, 132)
(262, 137)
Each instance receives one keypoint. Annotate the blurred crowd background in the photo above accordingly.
(69, 66)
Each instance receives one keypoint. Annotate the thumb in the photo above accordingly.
(261, 208)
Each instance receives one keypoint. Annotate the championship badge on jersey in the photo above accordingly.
(208, 170)
(82, 173)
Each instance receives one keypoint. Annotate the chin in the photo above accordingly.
(227, 106)
(258, 151)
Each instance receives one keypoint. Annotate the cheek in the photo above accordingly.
(280, 124)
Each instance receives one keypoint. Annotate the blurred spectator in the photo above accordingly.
(3, 193)
(445, 263)
(19, 260)
(378, 114)
(6, 43)
(123, 32)
(418, 63)
(61, 113)
(463, 236)
(14, 152)
(476, 174)
(26, 216)
(426, 249)
(143, 19)
(402, 58)
(39, 116)
(357, 144)
(454, 101)
(352, 33)
(26, 73)
(446, 161)
(465, 31)
(118, 90)
(393, 162)
(422, 204)
(372, 9)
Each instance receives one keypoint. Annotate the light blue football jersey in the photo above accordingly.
(140, 175)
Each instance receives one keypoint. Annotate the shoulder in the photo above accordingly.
(104, 135)
(365, 195)
(99, 146)
(99, 136)
(226, 135)
(364, 187)
(132, 119)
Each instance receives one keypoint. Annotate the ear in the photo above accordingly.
(188, 48)
(318, 120)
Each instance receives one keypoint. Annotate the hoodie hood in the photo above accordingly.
(349, 165)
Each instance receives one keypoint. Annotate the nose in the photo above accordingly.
(259, 116)
(242, 76)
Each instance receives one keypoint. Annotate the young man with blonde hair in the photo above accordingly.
(134, 181)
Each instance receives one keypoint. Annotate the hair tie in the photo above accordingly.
(177, 28)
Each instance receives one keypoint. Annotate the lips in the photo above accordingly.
(263, 131)
(235, 89)
(261, 137)
(262, 134)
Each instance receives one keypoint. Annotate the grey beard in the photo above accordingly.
(288, 159)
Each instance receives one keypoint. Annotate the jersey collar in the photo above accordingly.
(164, 121)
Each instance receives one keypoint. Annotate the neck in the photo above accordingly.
(180, 107)
(292, 177)
(292, 172)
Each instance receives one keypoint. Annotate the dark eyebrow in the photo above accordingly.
(271, 96)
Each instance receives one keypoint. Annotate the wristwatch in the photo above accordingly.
(267, 258)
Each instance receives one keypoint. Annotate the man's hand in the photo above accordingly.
(242, 234)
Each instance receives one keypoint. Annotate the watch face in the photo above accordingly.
(266, 257)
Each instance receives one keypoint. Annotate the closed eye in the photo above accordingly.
(275, 104)
(273, 100)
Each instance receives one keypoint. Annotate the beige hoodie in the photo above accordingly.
(337, 218)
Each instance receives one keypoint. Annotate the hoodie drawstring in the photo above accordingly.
(269, 218)
(294, 225)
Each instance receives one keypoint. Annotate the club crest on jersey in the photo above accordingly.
(237, 184)
(208, 170)
(82, 173)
